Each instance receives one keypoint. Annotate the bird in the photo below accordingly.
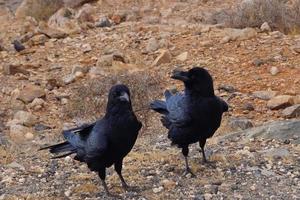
(192, 115)
(18, 45)
(105, 142)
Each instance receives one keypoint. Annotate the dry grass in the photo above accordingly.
(281, 15)
(89, 100)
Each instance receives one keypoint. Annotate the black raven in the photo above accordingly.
(18, 45)
(107, 141)
(194, 115)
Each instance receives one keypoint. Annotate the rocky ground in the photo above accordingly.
(62, 77)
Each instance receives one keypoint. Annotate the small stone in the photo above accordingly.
(280, 102)
(274, 71)
(103, 22)
(16, 133)
(240, 123)
(182, 57)
(258, 62)
(14, 69)
(68, 193)
(152, 45)
(292, 111)
(168, 184)
(41, 127)
(16, 165)
(265, 27)
(29, 136)
(21, 180)
(248, 106)
(264, 95)
(36, 104)
(25, 118)
(157, 190)
(30, 92)
(69, 79)
(86, 48)
(296, 48)
(164, 57)
(253, 188)
(39, 39)
(64, 101)
(227, 88)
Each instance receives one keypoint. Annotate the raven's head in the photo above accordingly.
(196, 80)
(119, 96)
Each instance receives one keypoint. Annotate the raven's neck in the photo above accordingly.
(113, 111)
(192, 93)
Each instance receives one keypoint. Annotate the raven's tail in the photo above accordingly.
(60, 148)
(159, 106)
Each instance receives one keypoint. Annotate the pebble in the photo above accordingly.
(157, 190)
(274, 71)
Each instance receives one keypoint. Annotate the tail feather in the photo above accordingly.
(63, 155)
(159, 106)
(58, 148)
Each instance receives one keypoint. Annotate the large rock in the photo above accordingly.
(76, 3)
(292, 111)
(39, 9)
(30, 92)
(17, 133)
(264, 95)
(164, 57)
(64, 20)
(279, 130)
(238, 34)
(240, 124)
(25, 118)
(280, 102)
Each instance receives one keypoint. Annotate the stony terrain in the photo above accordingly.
(62, 77)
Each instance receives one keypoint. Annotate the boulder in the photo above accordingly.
(64, 21)
(38, 9)
(30, 92)
(279, 130)
(164, 57)
(292, 111)
(232, 34)
(25, 118)
(279, 102)
(265, 94)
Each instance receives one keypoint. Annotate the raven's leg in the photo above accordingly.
(118, 168)
(202, 144)
(185, 152)
(101, 174)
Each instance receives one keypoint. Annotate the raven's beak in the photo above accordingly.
(180, 75)
(124, 97)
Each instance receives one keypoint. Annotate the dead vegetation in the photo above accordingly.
(280, 15)
(89, 100)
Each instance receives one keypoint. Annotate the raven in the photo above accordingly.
(193, 115)
(108, 140)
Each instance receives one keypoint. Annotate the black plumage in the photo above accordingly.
(107, 141)
(193, 115)
(18, 45)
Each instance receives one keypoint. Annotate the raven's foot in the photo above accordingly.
(189, 171)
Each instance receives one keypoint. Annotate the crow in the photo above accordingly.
(18, 45)
(193, 115)
(107, 141)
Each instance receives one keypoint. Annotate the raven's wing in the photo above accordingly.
(178, 110)
(97, 141)
(77, 136)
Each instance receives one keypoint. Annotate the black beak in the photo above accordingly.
(180, 75)
(124, 97)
